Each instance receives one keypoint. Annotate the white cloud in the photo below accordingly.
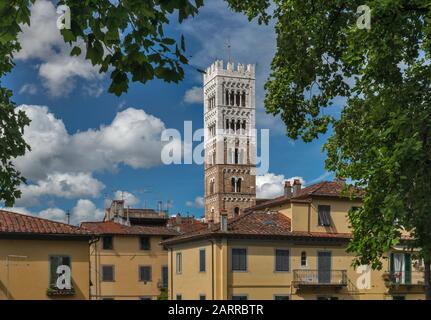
(132, 138)
(21, 210)
(271, 185)
(28, 88)
(129, 198)
(194, 95)
(65, 185)
(54, 214)
(197, 203)
(42, 40)
(85, 210)
(94, 90)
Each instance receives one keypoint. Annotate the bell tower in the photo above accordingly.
(230, 139)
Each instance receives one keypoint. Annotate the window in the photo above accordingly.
(54, 263)
(281, 297)
(145, 243)
(179, 263)
(235, 211)
(238, 185)
(303, 259)
(202, 260)
(145, 273)
(239, 297)
(165, 276)
(107, 243)
(324, 215)
(236, 156)
(239, 259)
(281, 260)
(179, 297)
(202, 297)
(108, 273)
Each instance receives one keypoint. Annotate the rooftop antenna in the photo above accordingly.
(229, 51)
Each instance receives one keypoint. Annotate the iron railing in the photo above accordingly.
(320, 277)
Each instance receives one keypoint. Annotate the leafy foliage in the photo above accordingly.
(126, 38)
(382, 139)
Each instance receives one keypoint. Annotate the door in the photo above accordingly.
(324, 266)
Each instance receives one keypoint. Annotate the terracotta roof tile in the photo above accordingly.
(113, 228)
(321, 189)
(255, 224)
(17, 223)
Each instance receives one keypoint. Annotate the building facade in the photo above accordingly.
(35, 253)
(292, 247)
(127, 260)
(230, 152)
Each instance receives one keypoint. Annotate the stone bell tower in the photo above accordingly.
(230, 139)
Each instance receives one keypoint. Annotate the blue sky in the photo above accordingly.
(89, 146)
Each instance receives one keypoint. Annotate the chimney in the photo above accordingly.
(296, 187)
(287, 189)
(223, 222)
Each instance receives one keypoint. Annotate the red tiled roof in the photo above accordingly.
(322, 189)
(255, 224)
(113, 228)
(17, 223)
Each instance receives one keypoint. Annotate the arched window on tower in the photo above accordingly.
(236, 212)
(238, 185)
(236, 156)
(226, 98)
(227, 124)
(237, 95)
(232, 97)
(212, 214)
(233, 184)
(212, 186)
(238, 125)
(243, 99)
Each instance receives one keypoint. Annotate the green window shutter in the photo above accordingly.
(392, 262)
(408, 268)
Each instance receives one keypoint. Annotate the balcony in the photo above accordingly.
(401, 280)
(319, 278)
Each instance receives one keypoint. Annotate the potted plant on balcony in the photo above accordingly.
(388, 278)
(54, 291)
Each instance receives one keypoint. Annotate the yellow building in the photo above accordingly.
(127, 261)
(35, 253)
(291, 247)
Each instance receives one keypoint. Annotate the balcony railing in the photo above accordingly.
(402, 278)
(335, 278)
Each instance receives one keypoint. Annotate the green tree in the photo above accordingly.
(382, 138)
(123, 38)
